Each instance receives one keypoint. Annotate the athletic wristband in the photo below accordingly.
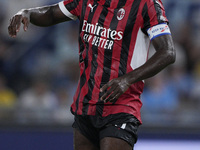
(65, 11)
(158, 30)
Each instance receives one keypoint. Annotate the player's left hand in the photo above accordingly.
(116, 88)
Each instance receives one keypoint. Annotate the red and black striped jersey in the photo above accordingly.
(112, 42)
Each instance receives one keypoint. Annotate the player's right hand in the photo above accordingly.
(15, 22)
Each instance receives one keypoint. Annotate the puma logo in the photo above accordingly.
(91, 7)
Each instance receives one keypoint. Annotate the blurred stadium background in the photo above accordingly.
(39, 73)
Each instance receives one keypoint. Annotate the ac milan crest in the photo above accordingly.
(120, 13)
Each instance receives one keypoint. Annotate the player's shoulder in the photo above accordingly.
(148, 2)
(152, 1)
(156, 3)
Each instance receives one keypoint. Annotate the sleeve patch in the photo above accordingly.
(158, 30)
(65, 11)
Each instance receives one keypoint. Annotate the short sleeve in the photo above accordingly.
(71, 8)
(153, 13)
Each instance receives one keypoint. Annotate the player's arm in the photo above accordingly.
(164, 55)
(40, 16)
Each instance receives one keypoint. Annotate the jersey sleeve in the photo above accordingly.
(71, 8)
(153, 14)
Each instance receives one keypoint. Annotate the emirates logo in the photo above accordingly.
(120, 13)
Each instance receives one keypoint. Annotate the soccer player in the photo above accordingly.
(114, 38)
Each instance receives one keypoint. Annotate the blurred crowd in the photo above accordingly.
(173, 96)
(39, 71)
